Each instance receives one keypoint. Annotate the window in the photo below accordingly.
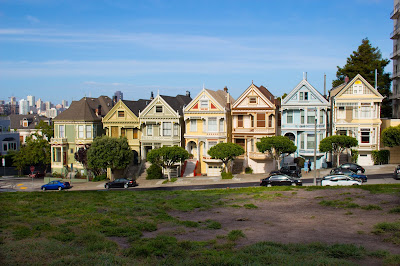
(310, 117)
(193, 125)
(321, 116)
(158, 109)
(94, 131)
(302, 116)
(204, 104)
(260, 120)
(176, 129)
(61, 131)
(121, 113)
(301, 96)
(123, 132)
(251, 121)
(221, 125)
(302, 141)
(310, 141)
(88, 132)
(5, 147)
(358, 89)
(135, 133)
(167, 129)
(149, 130)
(365, 111)
(365, 135)
(270, 121)
(57, 154)
(80, 132)
(341, 112)
(211, 144)
(212, 124)
(252, 100)
(306, 96)
(289, 117)
(240, 121)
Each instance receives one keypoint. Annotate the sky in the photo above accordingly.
(70, 49)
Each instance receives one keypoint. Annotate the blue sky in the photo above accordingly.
(70, 49)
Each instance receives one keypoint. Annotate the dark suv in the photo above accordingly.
(291, 170)
(396, 174)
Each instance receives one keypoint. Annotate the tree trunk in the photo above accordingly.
(169, 173)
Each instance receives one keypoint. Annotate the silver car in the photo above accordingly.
(339, 180)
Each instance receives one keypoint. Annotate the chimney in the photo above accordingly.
(188, 93)
(151, 96)
(226, 89)
(346, 79)
(114, 100)
(98, 110)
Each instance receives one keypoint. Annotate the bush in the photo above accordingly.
(248, 170)
(226, 175)
(299, 161)
(100, 178)
(381, 157)
(154, 172)
(354, 156)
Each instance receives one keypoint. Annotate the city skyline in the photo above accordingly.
(69, 50)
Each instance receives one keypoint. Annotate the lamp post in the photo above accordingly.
(315, 149)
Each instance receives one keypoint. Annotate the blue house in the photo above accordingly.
(304, 110)
(9, 140)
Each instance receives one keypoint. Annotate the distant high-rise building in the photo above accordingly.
(119, 95)
(39, 105)
(23, 107)
(48, 105)
(395, 56)
(31, 100)
(51, 112)
(13, 100)
(64, 103)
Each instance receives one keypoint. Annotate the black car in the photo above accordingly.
(280, 180)
(396, 174)
(291, 170)
(121, 183)
(348, 172)
(353, 167)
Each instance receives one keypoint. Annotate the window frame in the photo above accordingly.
(212, 127)
(193, 125)
(167, 129)
(289, 114)
(149, 130)
(252, 100)
(159, 108)
(261, 122)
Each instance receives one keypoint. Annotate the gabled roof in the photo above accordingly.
(338, 91)
(220, 96)
(305, 83)
(33, 121)
(85, 109)
(136, 106)
(178, 102)
(263, 91)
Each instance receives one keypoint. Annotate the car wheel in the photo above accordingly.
(126, 186)
(59, 188)
(355, 184)
(43, 188)
(294, 184)
(107, 186)
(269, 185)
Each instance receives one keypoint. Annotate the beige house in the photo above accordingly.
(255, 114)
(356, 112)
(394, 151)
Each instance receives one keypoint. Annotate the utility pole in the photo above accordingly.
(315, 148)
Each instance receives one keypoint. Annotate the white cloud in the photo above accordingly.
(32, 19)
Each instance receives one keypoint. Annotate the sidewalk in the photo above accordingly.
(240, 178)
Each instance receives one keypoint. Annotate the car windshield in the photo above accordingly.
(293, 167)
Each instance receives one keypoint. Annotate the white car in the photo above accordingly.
(339, 180)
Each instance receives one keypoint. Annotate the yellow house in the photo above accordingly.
(394, 151)
(123, 120)
(207, 123)
(356, 107)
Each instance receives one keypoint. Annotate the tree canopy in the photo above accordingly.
(166, 157)
(46, 129)
(337, 144)
(81, 155)
(226, 152)
(276, 146)
(106, 152)
(391, 136)
(364, 61)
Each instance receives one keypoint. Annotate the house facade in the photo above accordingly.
(25, 125)
(207, 123)
(76, 127)
(255, 114)
(123, 120)
(356, 112)
(9, 140)
(395, 56)
(162, 123)
(304, 111)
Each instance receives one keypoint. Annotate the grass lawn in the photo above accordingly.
(108, 227)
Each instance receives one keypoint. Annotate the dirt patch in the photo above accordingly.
(122, 242)
(295, 217)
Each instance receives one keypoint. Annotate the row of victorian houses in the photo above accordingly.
(213, 117)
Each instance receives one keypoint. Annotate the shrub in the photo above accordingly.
(235, 235)
(248, 170)
(381, 156)
(354, 156)
(226, 175)
(100, 178)
(299, 161)
(154, 172)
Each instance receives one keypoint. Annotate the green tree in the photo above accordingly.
(391, 136)
(106, 152)
(337, 144)
(81, 155)
(364, 61)
(166, 157)
(276, 147)
(46, 129)
(226, 152)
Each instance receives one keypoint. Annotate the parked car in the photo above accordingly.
(56, 184)
(353, 167)
(348, 172)
(291, 170)
(36, 174)
(280, 180)
(339, 180)
(121, 183)
(396, 174)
